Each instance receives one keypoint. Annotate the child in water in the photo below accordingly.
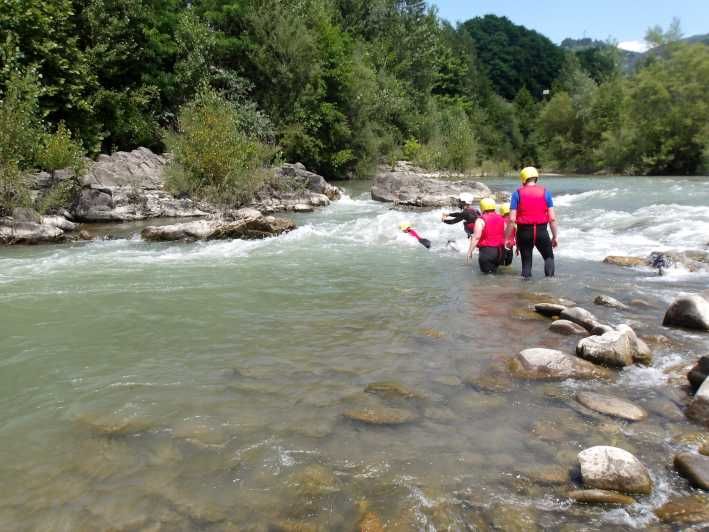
(406, 227)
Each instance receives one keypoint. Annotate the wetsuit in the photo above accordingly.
(467, 216)
(492, 241)
(532, 203)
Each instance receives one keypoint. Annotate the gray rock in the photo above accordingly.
(16, 232)
(695, 468)
(699, 372)
(568, 328)
(612, 468)
(600, 497)
(60, 222)
(614, 348)
(699, 407)
(631, 262)
(580, 316)
(549, 309)
(550, 364)
(690, 312)
(407, 185)
(219, 229)
(612, 406)
(607, 301)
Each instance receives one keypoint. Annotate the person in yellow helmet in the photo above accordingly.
(531, 210)
(509, 243)
(406, 227)
(488, 237)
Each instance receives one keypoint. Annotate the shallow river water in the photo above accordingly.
(202, 386)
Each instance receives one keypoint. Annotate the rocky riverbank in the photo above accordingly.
(130, 186)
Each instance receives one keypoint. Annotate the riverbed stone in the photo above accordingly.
(370, 522)
(121, 422)
(693, 467)
(613, 348)
(689, 510)
(608, 301)
(597, 496)
(547, 475)
(550, 364)
(699, 407)
(313, 480)
(568, 328)
(612, 406)
(689, 312)
(581, 317)
(513, 518)
(612, 468)
(698, 374)
(391, 389)
(619, 260)
(380, 415)
(549, 309)
(219, 229)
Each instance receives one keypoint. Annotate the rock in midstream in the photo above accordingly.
(549, 310)
(698, 374)
(689, 510)
(550, 364)
(619, 260)
(695, 468)
(607, 301)
(612, 468)
(612, 406)
(616, 348)
(580, 316)
(380, 415)
(248, 228)
(568, 328)
(596, 496)
(699, 407)
(689, 312)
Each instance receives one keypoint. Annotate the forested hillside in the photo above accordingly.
(338, 85)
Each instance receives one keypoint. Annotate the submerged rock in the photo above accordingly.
(695, 468)
(698, 374)
(690, 312)
(607, 301)
(581, 317)
(693, 509)
(122, 422)
(550, 364)
(612, 406)
(699, 407)
(381, 415)
(248, 228)
(549, 310)
(513, 518)
(314, 481)
(596, 496)
(612, 468)
(392, 389)
(370, 522)
(568, 328)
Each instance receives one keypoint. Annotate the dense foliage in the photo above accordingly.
(340, 85)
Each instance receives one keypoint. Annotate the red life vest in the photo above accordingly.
(494, 231)
(532, 207)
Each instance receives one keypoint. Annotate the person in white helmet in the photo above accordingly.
(467, 214)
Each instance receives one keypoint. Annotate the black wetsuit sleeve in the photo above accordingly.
(454, 218)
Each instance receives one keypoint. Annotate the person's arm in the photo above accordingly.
(477, 234)
(552, 220)
(451, 218)
(509, 228)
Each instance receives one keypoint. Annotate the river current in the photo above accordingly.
(202, 386)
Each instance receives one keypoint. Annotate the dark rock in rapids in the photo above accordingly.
(568, 328)
(612, 468)
(612, 406)
(695, 468)
(409, 186)
(698, 374)
(607, 301)
(690, 312)
(689, 510)
(596, 496)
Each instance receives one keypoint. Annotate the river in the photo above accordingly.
(201, 386)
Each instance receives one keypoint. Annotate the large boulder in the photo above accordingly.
(247, 228)
(612, 468)
(550, 364)
(410, 186)
(612, 406)
(140, 168)
(693, 467)
(690, 312)
(19, 232)
(699, 407)
(619, 347)
(608, 301)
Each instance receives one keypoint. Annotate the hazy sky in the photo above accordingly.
(622, 20)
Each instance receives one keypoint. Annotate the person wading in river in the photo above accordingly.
(509, 243)
(531, 210)
(489, 237)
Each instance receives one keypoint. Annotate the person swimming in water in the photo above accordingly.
(406, 227)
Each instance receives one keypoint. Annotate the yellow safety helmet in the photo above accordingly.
(405, 225)
(487, 204)
(505, 209)
(528, 173)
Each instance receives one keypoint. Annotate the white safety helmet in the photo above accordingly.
(466, 197)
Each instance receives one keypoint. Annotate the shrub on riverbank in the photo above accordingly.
(217, 154)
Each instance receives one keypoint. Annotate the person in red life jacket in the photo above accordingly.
(406, 227)
(489, 237)
(467, 214)
(511, 242)
(531, 210)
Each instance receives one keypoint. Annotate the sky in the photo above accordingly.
(625, 21)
